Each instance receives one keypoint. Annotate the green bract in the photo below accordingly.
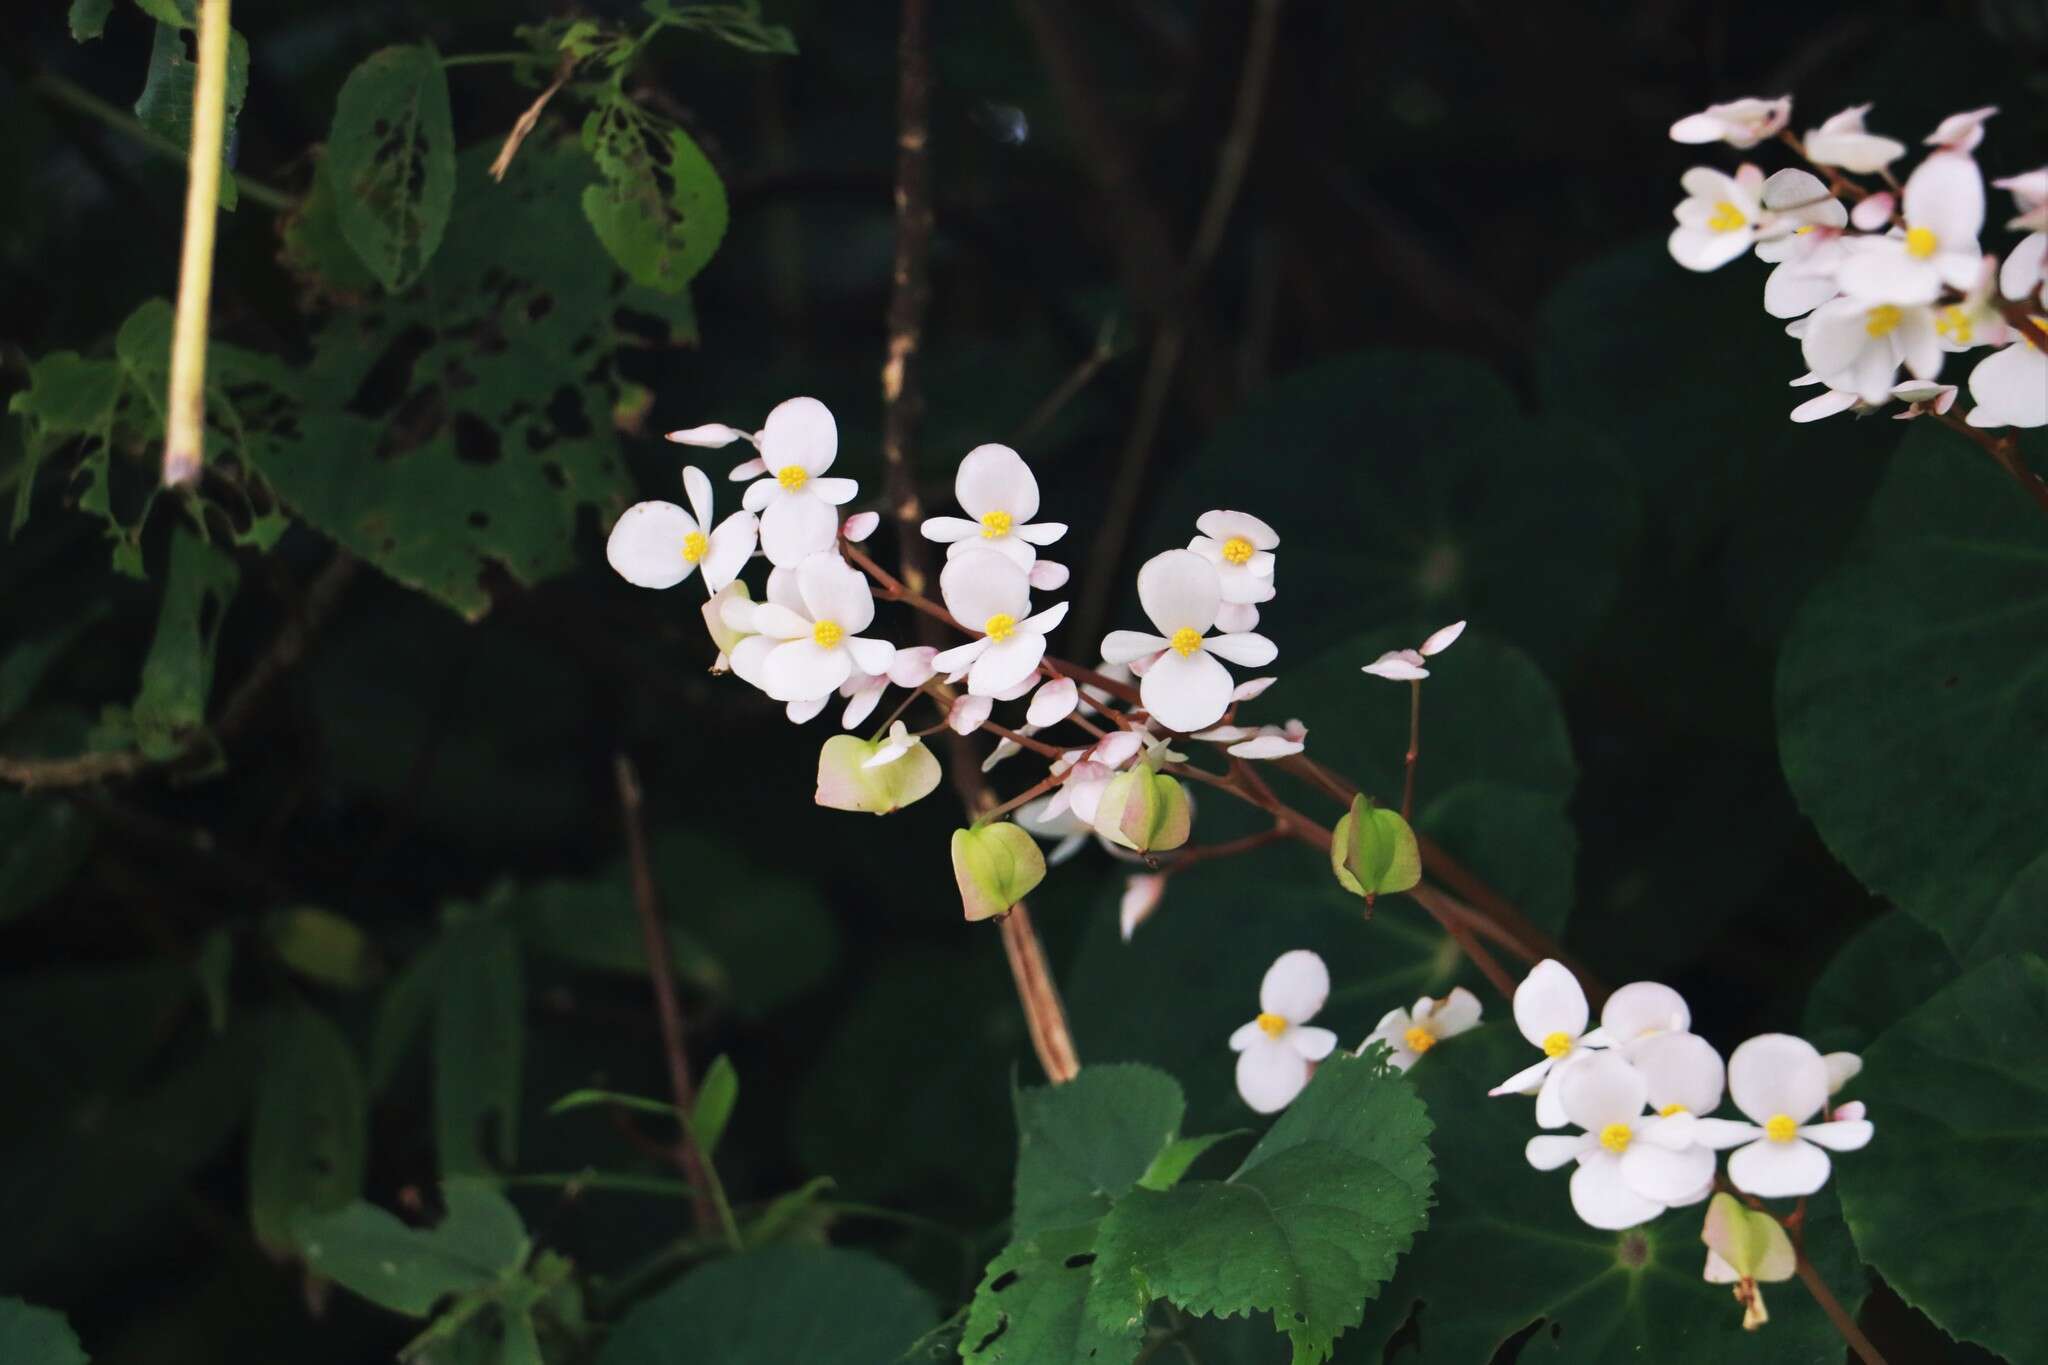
(1143, 810)
(995, 866)
(1373, 851)
(845, 782)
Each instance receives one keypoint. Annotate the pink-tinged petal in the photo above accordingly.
(1800, 192)
(1266, 747)
(1841, 1135)
(1528, 1081)
(800, 432)
(1186, 693)
(732, 545)
(1053, 702)
(1250, 688)
(711, 435)
(1043, 622)
(968, 713)
(1778, 1170)
(1641, 1008)
(861, 705)
(794, 528)
(748, 469)
(1122, 646)
(1047, 576)
(1945, 194)
(994, 478)
(835, 591)
(1005, 750)
(979, 587)
(1311, 1042)
(1006, 663)
(1600, 1088)
(1843, 1067)
(804, 670)
(1603, 1200)
(1666, 1176)
(860, 526)
(697, 489)
(1550, 1098)
(1141, 897)
(1827, 405)
(871, 655)
(1552, 1150)
(1040, 532)
(1776, 1073)
(1236, 617)
(835, 492)
(1295, 986)
(1961, 132)
(1854, 1109)
(805, 711)
(646, 545)
(1682, 1069)
(1873, 213)
(1117, 748)
(1395, 667)
(1180, 590)
(2021, 275)
(949, 663)
(1224, 525)
(946, 530)
(913, 667)
(1548, 1001)
(1249, 651)
(778, 622)
(1270, 1075)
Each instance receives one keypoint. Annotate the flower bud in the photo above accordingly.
(1143, 810)
(1744, 1246)
(1373, 851)
(849, 779)
(996, 866)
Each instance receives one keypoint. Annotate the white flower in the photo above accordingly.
(1405, 665)
(1632, 1166)
(1683, 1073)
(1551, 1012)
(1275, 1049)
(1410, 1033)
(1806, 266)
(1185, 688)
(1781, 1083)
(658, 544)
(1857, 347)
(1266, 741)
(1640, 1010)
(1740, 123)
(989, 595)
(2011, 386)
(713, 435)
(817, 640)
(1923, 397)
(797, 507)
(1943, 207)
(1842, 141)
(1960, 132)
(1141, 897)
(899, 743)
(1718, 218)
(2030, 195)
(2022, 275)
(996, 488)
(1241, 547)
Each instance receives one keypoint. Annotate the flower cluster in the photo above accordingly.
(1641, 1089)
(1874, 281)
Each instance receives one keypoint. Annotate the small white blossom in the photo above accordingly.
(1411, 1032)
(990, 596)
(1781, 1083)
(1275, 1049)
(658, 544)
(1842, 141)
(1405, 665)
(797, 505)
(995, 488)
(818, 645)
(1241, 547)
(1631, 1165)
(1551, 1012)
(1857, 347)
(1740, 123)
(1943, 208)
(1184, 687)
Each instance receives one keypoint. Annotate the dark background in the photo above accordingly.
(1488, 180)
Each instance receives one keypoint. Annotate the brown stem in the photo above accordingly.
(1439, 907)
(1839, 1316)
(2004, 450)
(654, 941)
(1414, 749)
(1202, 853)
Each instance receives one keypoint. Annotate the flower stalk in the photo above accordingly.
(185, 404)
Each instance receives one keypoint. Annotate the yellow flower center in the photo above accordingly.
(1000, 627)
(1419, 1039)
(1920, 243)
(1186, 641)
(1781, 1128)
(1273, 1024)
(1668, 1110)
(1953, 323)
(827, 634)
(1615, 1137)
(792, 476)
(1237, 550)
(1883, 320)
(994, 525)
(1726, 217)
(694, 546)
(1556, 1045)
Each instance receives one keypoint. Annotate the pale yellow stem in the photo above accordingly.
(185, 406)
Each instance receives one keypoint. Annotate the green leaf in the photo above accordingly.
(1082, 1145)
(661, 211)
(1173, 1161)
(587, 1099)
(37, 1336)
(89, 19)
(1504, 1252)
(322, 946)
(1520, 842)
(1308, 1228)
(717, 1093)
(740, 25)
(43, 843)
(1959, 1088)
(24, 668)
(1912, 708)
(1034, 1305)
(176, 13)
(314, 248)
(773, 1307)
(402, 1013)
(178, 674)
(309, 1140)
(479, 1044)
(391, 152)
(592, 924)
(165, 105)
(478, 1242)
(1883, 973)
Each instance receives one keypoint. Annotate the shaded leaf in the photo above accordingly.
(178, 673)
(37, 1336)
(88, 19)
(1082, 1145)
(479, 1045)
(165, 105)
(309, 1140)
(391, 156)
(661, 211)
(717, 1093)
(1033, 1305)
(322, 946)
(478, 1242)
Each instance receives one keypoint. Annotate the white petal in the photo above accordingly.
(801, 432)
(1040, 532)
(749, 655)
(1244, 1035)
(835, 591)
(1180, 591)
(1778, 1170)
(732, 545)
(778, 622)
(1945, 194)
(913, 667)
(795, 528)
(1140, 899)
(1047, 576)
(1721, 1134)
(950, 663)
(1236, 617)
(980, 586)
(646, 545)
(2020, 277)
(834, 492)
(1018, 552)
(1552, 1150)
(861, 705)
(860, 526)
(2011, 388)
(803, 670)
(1827, 405)
(1843, 1067)
(968, 713)
(1006, 663)
(1602, 1199)
(698, 489)
(1270, 1075)
(804, 711)
(1186, 693)
(1663, 1175)
(1250, 651)
(1549, 1001)
(1550, 1097)
(1295, 986)
(1642, 1008)
(1311, 1042)
(711, 434)
(871, 655)
(1886, 274)
(1223, 525)
(1044, 622)
(1600, 1088)
(946, 530)
(1266, 747)
(1122, 646)
(1053, 702)
(994, 478)
(1528, 1081)
(1395, 667)
(1681, 1069)
(1776, 1073)
(1441, 640)
(1459, 1012)
(1842, 1135)
(748, 469)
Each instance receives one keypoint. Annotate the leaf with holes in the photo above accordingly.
(478, 1243)
(1081, 1146)
(1033, 1306)
(661, 210)
(165, 105)
(391, 153)
(309, 1139)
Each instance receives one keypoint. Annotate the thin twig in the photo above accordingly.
(1839, 1316)
(1064, 393)
(185, 401)
(60, 91)
(707, 1204)
(2003, 450)
(523, 127)
(1414, 750)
